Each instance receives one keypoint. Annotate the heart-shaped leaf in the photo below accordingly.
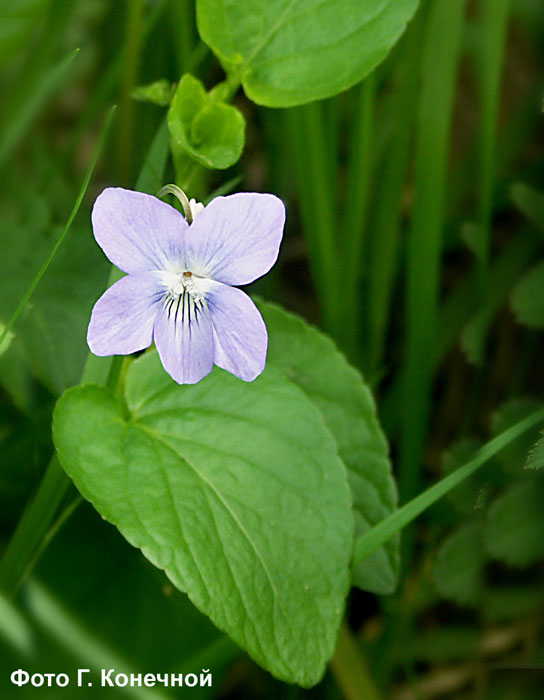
(311, 360)
(235, 490)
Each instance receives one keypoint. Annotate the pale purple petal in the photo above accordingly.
(122, 319)
(236, 239)
(239, 332)
(136, 231)
(184, 341)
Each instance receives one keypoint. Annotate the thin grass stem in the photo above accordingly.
(33, 526)
(309, 153)
(183, 30)
(424, 249)
(15, 129)
(350, 669)
(353, 230)
(131, 60)
(494, 24)
(378, 535)
(73, 213)
(385, 241)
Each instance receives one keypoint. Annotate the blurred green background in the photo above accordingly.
(432, 171)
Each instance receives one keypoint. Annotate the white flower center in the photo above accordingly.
(182, 283)
(185, 296)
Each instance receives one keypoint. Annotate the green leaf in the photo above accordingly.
(513, 456)
(458, 569)
(515, 522)
(235, 490)
(530, 202)
(158, 93)
(287, 53)
(535, 458)
(311, 360)
(211, 132)
(527, 300)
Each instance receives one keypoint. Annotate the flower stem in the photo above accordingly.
(182, 198)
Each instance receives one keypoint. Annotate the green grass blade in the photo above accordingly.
(350, 669)
(131, 60)
(504, 275)
(15, 629)
(22, 118)
(386, 227)
(33, 525)
(226, 188)
(504, 272)
(374, 538)
(311, 167)
(183, 28)
(459, 305)
(424, 249)
(102, 93)
(40, 512)
(354, 225)
(73, 213)
(58, 622)
(494, 24)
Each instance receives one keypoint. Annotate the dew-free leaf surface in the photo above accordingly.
(514, 524)
(235, 490)
(211, 132)
(311, 360)
(289, 52)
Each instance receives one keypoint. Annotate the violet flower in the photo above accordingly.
(178, 289)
